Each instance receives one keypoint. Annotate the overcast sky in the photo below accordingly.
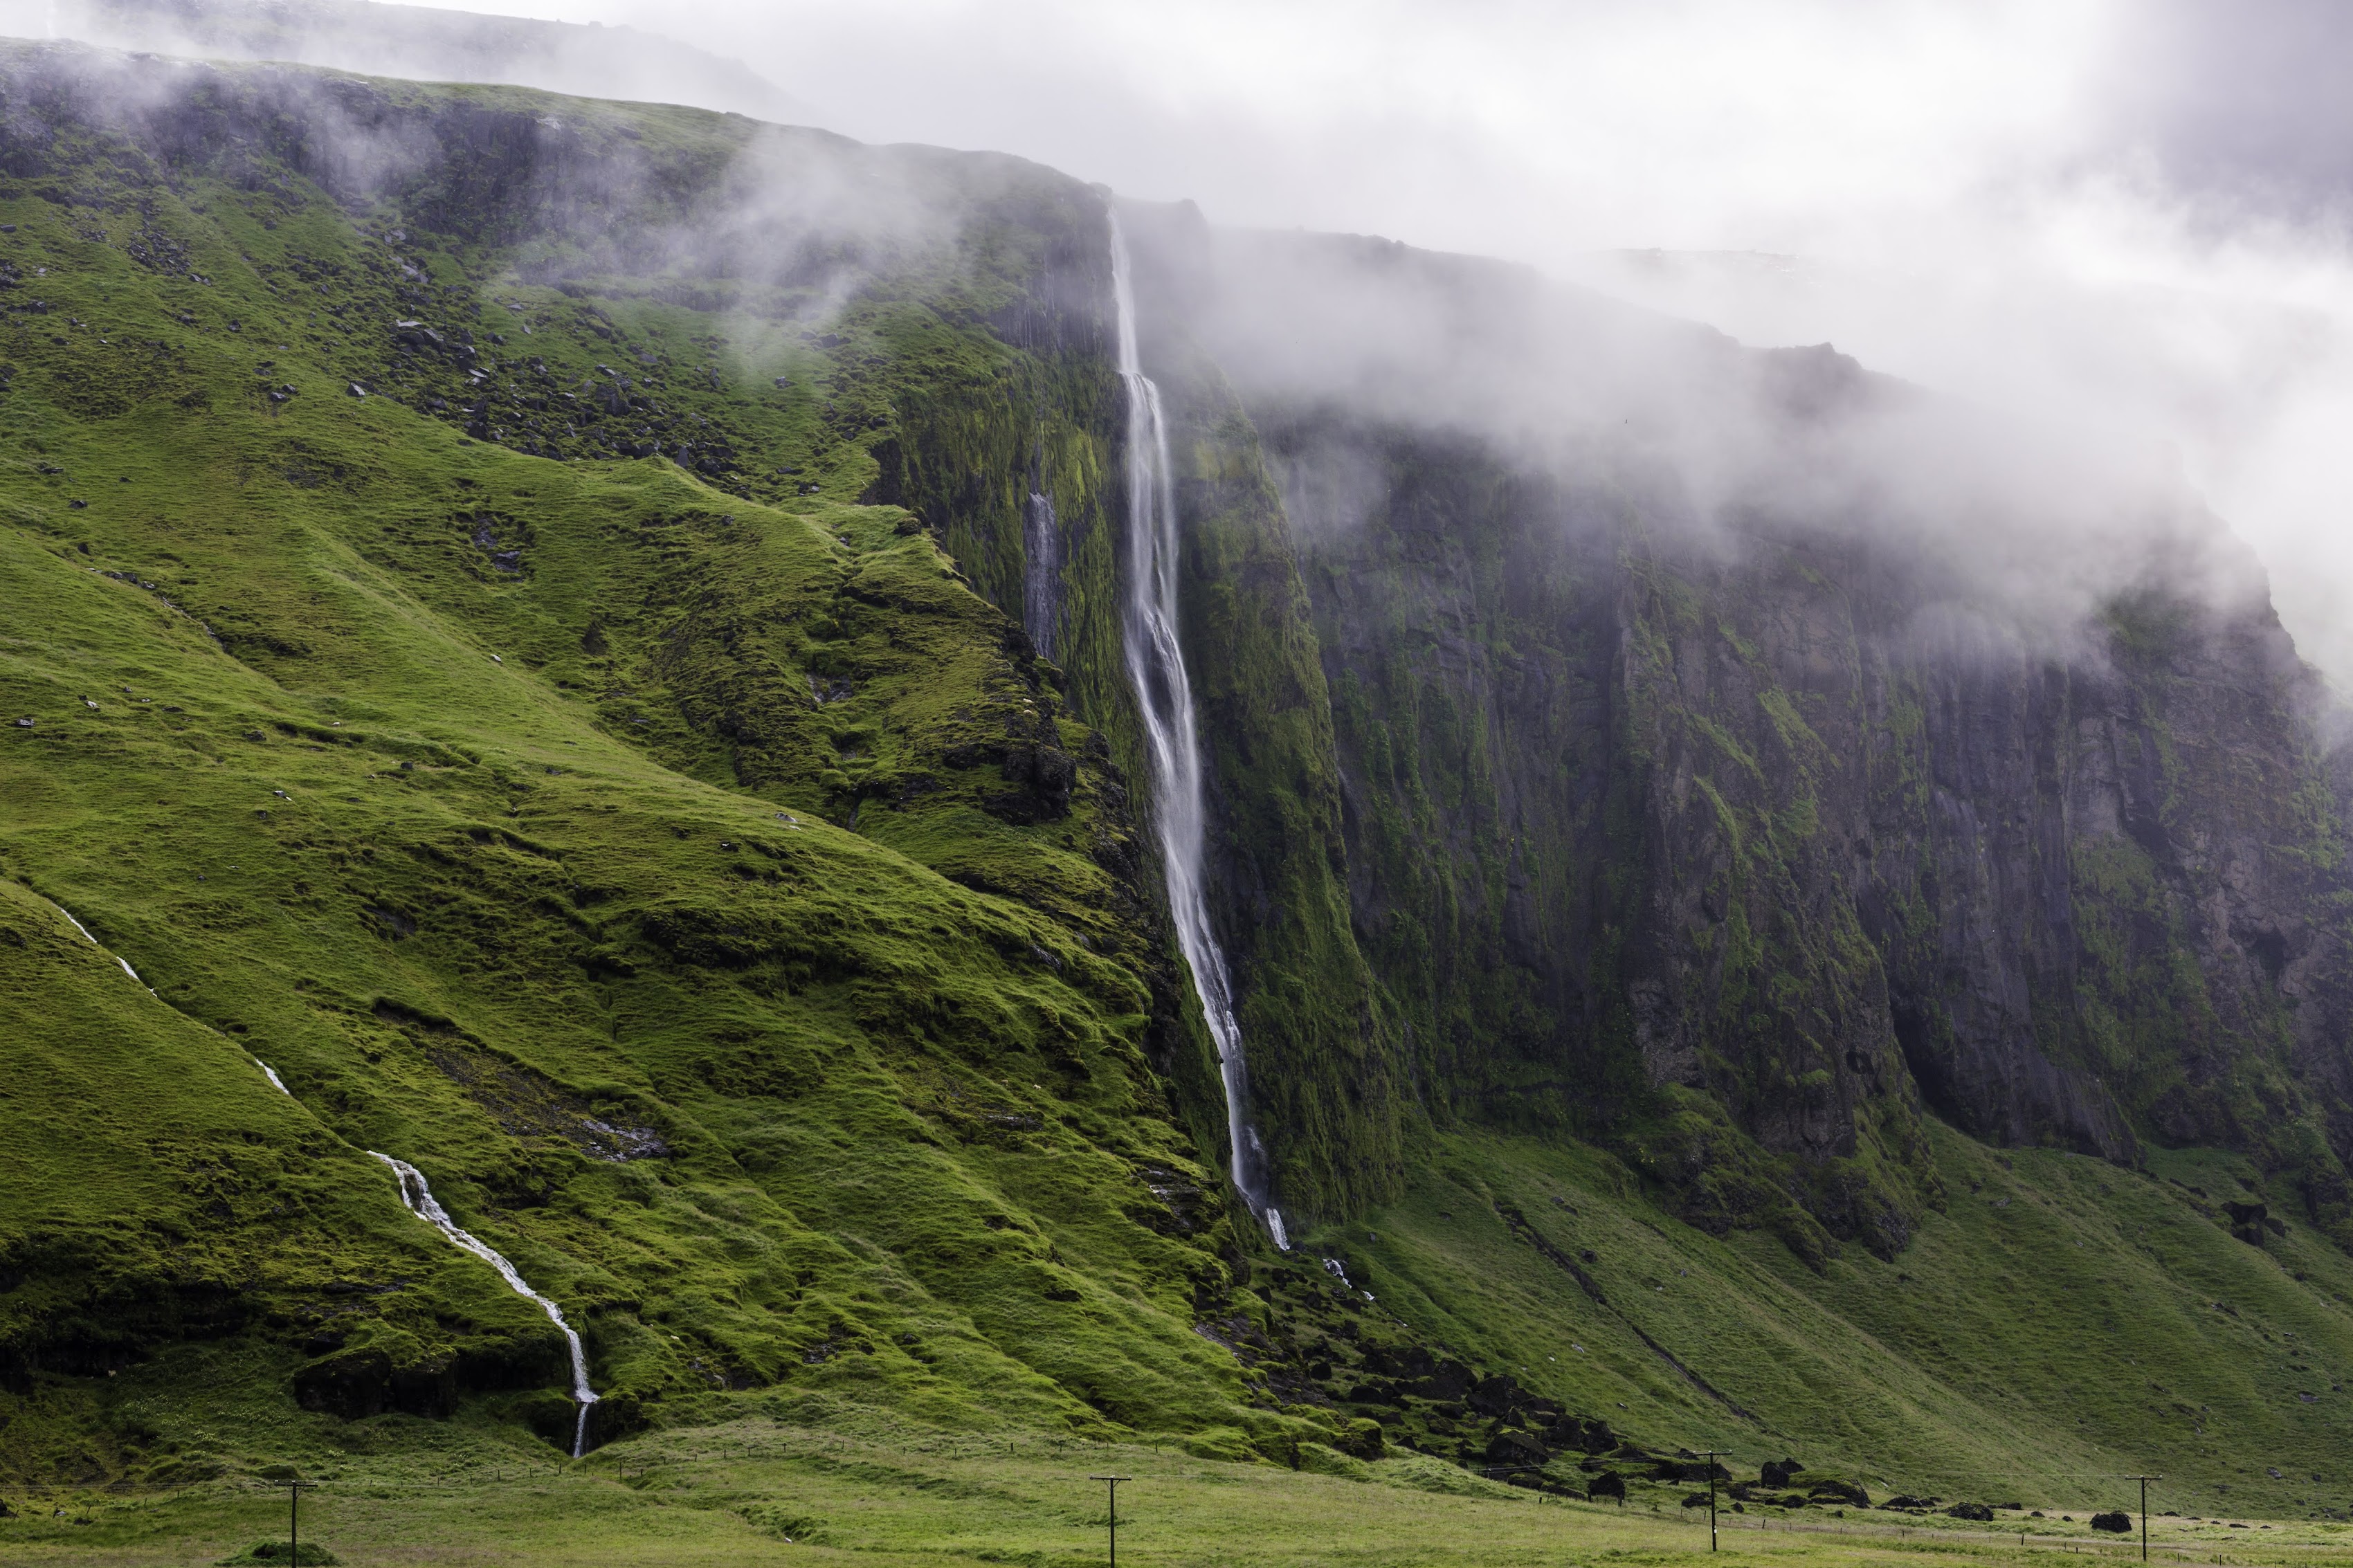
(2124, 211)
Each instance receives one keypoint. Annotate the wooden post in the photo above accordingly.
(2143, 1481)
(1113, 1481)
(1709, 1460)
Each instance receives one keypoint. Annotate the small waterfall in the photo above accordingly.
(1164, 694)
(420, 1199)
(94, 942)
(266, 1071)
(1041, 584)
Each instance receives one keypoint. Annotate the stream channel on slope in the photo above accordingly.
(420, 1202)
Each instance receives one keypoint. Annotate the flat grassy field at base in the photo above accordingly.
(755, 1491)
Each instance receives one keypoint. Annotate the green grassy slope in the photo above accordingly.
(2063, 1320)
(493, 801)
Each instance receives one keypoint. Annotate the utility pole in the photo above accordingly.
(2143, 1481)
(1113, 1481)
(1709, 1458)
(294, 1523)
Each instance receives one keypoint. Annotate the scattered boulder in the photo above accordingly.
(1828, 1490)
(1697, 1499)
(1515, 1448)
(1916, 1504)
(1607, 1484)
(1974, 1511)
(281, 1554)
(1776, 1472)
(1495, 1396)
(1362, 1439)
(2117, 1523)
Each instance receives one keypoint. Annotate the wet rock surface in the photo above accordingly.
(1970, 872)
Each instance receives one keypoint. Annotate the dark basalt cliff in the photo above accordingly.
(1657, 841)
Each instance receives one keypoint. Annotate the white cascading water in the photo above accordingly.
(94, 942)
(266, 1071)
(1163, 692)
(421, 1203)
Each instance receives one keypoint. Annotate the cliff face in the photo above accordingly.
(1647, 838)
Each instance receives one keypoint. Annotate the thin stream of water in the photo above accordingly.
(95, 942)
(421, 1203)
(419, 1200)
(1164, 694)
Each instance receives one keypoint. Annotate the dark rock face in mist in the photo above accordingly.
(1648, 839)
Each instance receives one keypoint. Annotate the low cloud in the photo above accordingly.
(2119, 224)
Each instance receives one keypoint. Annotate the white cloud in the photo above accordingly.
(1985, 196)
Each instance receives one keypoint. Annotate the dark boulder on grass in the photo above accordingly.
(1515, 1448)
(1976, 1510)
(1607, 1484)
(1776, 1472)
(282, 1554)
(2119, 1523)
(1362, 1439)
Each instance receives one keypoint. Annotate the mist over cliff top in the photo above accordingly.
(2118, 225)
(419, 43)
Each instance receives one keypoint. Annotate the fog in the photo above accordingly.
(2124, 223)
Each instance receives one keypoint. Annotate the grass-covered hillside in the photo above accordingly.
(551, 707)
(707, 890)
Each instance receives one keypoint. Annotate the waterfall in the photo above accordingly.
(1164, 695)
(94, 942)
(1041, 584)
(420, 1199)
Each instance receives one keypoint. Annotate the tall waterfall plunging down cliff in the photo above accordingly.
(1156, 663)
(420, 1199)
